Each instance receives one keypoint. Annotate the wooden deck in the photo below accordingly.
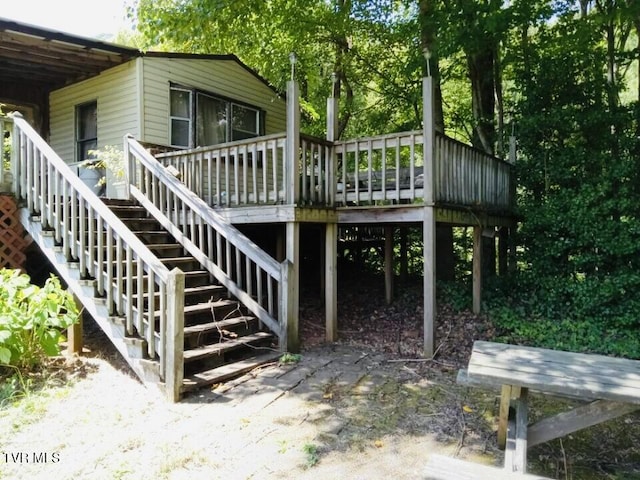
(373, 172)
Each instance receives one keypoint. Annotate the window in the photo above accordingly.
(180, 117)
(198, 118)
(86, 130)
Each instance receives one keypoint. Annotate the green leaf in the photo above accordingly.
(5, 356)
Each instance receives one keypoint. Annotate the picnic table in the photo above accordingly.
(610, 386)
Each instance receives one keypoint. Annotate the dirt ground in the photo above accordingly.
(367, 407)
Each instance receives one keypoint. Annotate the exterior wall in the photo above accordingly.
(115, 91)
(222, 77)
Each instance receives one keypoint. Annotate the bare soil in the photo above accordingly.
(366, 407)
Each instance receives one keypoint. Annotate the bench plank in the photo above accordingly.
(582, 375)
(440, 467)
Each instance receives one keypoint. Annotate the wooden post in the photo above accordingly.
(174, 336)
(3, 125)
(477, 268)
(293, 144)
(388, 263)
(291, 286)
(332, 130)
(429, 221)
(331, 281)
(16, 151)
(404, 260)
(129, 173)
(75, 333)
(503, 250)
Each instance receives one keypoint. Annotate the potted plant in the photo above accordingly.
(109, 161)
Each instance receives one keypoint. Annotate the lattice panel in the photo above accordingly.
(13, 242)
(9, 214)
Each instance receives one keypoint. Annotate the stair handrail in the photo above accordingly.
(49, 189)
(236, 264)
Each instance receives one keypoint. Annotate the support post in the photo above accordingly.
(16, 152)
(429, 221)
(293, 143)
(129, 173)
(477, 268)
(503, 250)
(404, 260)
(292, 245)
(75, 340)
(332, 132)
(388, 263)
(331, 281)
(2, 127)
(174, 336)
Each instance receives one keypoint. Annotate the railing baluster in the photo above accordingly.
(131, 274)
(151, 315)
(109, 267)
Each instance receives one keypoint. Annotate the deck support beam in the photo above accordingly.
(331, 281)
(503, 250)
(477, 268)
(429, 220)
(292, 246)
(388, 263)
(75, 335)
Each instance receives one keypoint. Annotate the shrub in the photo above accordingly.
(32, 318)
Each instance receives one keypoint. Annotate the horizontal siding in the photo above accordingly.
(222, 77)
(114, 90)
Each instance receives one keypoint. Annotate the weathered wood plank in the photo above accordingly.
(589, 376)
(440, 467)
(503, 415)
(522, 420)
(576, 419)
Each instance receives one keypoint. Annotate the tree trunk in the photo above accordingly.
(483, 88)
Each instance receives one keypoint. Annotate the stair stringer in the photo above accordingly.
(131, 348)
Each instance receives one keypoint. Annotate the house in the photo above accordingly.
(178, 271)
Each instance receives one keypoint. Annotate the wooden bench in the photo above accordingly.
(446, 468)
(611, 386)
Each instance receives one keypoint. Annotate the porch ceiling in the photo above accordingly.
(31, 56)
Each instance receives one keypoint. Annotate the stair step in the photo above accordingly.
(204, 290)
(177, 260)
(225, 346)
(226, 324)
(163, 246)
(227, 372)
(126, 211)
(207, 307)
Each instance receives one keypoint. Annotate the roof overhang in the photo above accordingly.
(47, 59)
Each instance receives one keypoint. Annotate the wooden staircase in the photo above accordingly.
(221, 340)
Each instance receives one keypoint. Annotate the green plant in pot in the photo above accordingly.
(109, 160)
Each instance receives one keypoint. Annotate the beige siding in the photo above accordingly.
(116, 94)
(222, 77)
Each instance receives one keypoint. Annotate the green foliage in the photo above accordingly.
(13, 386)
(290, 358)
(32, 318)
(311, 453)
(109, 157)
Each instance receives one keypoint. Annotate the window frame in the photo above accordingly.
(229, 103)
(189, 119)
(82, 142)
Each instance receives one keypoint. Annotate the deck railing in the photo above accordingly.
(385, 168)
(233, 174)
(382, 168)
(467, 176)
(134, 282)
(250, 274)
